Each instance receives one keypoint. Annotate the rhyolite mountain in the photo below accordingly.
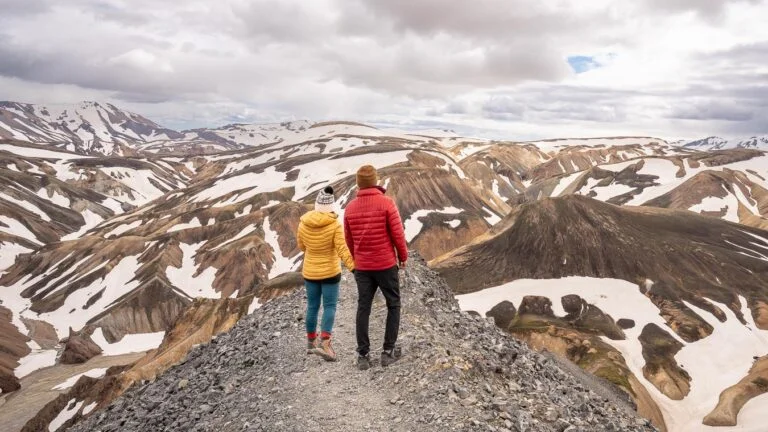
(112, 242)
(632, 294)
(85, 128)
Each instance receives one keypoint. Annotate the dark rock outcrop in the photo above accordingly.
(625, 323)
(503, 314)
(536, 305)
(13, 346)
(588, 317)
(78, 348)
(572, 305)
(41, 332)
(661, 368)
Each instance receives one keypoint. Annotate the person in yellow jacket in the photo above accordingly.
(321, 237)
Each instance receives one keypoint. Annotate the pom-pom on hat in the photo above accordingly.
(325, 200)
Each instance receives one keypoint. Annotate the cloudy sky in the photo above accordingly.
(496, 68)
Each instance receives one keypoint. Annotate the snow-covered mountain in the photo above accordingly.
(638, 296)
(731, 186)
(93, 128)
(85, 128)
(717, 143)
(118, 247)
(223, 224)
(47, 195)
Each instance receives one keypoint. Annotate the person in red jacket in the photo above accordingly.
(375, 237)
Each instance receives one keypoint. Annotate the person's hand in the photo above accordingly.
(402, 264)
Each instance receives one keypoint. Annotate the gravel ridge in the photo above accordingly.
(459, 372)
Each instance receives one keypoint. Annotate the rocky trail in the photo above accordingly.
(459, 372)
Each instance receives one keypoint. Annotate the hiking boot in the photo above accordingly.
(363, 362)
(311, 345)
(325, 350)
(391, 356)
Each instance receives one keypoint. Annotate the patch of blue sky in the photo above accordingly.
(581, 64)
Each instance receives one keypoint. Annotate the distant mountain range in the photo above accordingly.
(717, 143)
(93, 128)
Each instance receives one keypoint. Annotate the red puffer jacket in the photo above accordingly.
(373, 230)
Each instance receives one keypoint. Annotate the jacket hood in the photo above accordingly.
(316, 219)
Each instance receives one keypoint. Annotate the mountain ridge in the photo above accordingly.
(120, 246)
(632, 294)
(718, 143)
(451, 360)
(102, 128)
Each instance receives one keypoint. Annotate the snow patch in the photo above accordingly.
(8, 254)
(413, 225)
(717, 204)
(606, 192)
(194, 223)
(748, 203)
(26, 205)
(88, 408)
(243, 233)
(255, 304)
(65, 415)
(281, 264)
(183, 278)
(123, 229)
(130, 343)
(493, 219)
(37, 359)
(729, 350)
(38, 153)
(72, 313)
(91, 221)
(93, 373)
(56, 198)
(565, 181)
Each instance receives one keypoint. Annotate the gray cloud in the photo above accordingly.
(712, 109)
(503, 105)
(561, 104)
(488, 19)
(710, 9)
(15, 8)
(60, 68)
(496, 63)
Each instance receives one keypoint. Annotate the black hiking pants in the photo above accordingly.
(367, 284)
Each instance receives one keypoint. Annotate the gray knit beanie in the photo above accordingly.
(324, 201)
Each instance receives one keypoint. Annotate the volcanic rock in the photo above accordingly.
(78, 348)
(503, 314)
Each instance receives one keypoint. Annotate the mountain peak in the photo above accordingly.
(86, 127)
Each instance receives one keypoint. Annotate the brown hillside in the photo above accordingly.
(688, 257)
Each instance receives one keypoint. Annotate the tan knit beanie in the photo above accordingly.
(366, 177)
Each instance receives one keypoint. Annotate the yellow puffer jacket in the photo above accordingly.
(321, 237)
